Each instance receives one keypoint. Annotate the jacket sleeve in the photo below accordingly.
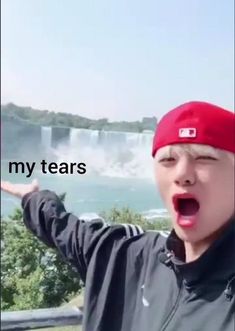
(45, 216)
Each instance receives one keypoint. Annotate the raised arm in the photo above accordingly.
(78, 241)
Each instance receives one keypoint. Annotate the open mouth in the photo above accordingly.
(186, 206)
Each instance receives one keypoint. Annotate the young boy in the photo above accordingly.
(138, 281)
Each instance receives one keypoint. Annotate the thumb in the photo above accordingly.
(35, 185)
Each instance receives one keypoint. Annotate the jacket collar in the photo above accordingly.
(216, 263)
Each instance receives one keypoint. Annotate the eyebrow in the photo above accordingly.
(170, 151)
(207, 153)
(163, 154)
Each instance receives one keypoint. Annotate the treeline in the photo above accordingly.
(51, 118)
(34, 276)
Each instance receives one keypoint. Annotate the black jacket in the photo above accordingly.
(133, 281)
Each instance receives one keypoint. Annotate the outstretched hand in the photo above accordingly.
(19, 190)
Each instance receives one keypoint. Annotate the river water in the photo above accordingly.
(119, 171)
(92, 194)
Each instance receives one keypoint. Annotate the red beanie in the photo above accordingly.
(196, 123)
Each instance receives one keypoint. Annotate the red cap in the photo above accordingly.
(196, 123)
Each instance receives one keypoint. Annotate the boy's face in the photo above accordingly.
(209, 180)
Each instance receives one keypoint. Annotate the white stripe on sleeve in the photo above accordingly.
(132, 230)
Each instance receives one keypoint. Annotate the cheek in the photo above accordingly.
(163, 180)
(205, 176)
(210, 179)
(218, 186)
(225, 186)
(158, 175)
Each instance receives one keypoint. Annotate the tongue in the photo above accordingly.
(188, 207)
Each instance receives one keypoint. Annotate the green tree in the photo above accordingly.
(32, 275)
(28, 115)
(35, 276)
(125, 215)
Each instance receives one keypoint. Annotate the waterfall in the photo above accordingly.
(107, 140)
(112, 139)
(46, 136)
(109, 153)
(83, 137)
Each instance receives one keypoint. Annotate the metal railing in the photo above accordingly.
(40, 318)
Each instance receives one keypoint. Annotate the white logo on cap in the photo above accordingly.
(187, 133)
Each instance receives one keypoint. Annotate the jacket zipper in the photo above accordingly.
(172, 313)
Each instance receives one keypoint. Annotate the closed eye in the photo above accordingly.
(167, 159)
(206, 157)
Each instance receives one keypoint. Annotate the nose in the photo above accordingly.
(185, 172)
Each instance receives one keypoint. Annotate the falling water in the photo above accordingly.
(46, 136)
(109, 153)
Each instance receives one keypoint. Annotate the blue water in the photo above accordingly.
(92, 194)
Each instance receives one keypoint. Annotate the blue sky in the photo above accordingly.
(117, 59)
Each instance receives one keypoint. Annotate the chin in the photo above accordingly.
(188, 234)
